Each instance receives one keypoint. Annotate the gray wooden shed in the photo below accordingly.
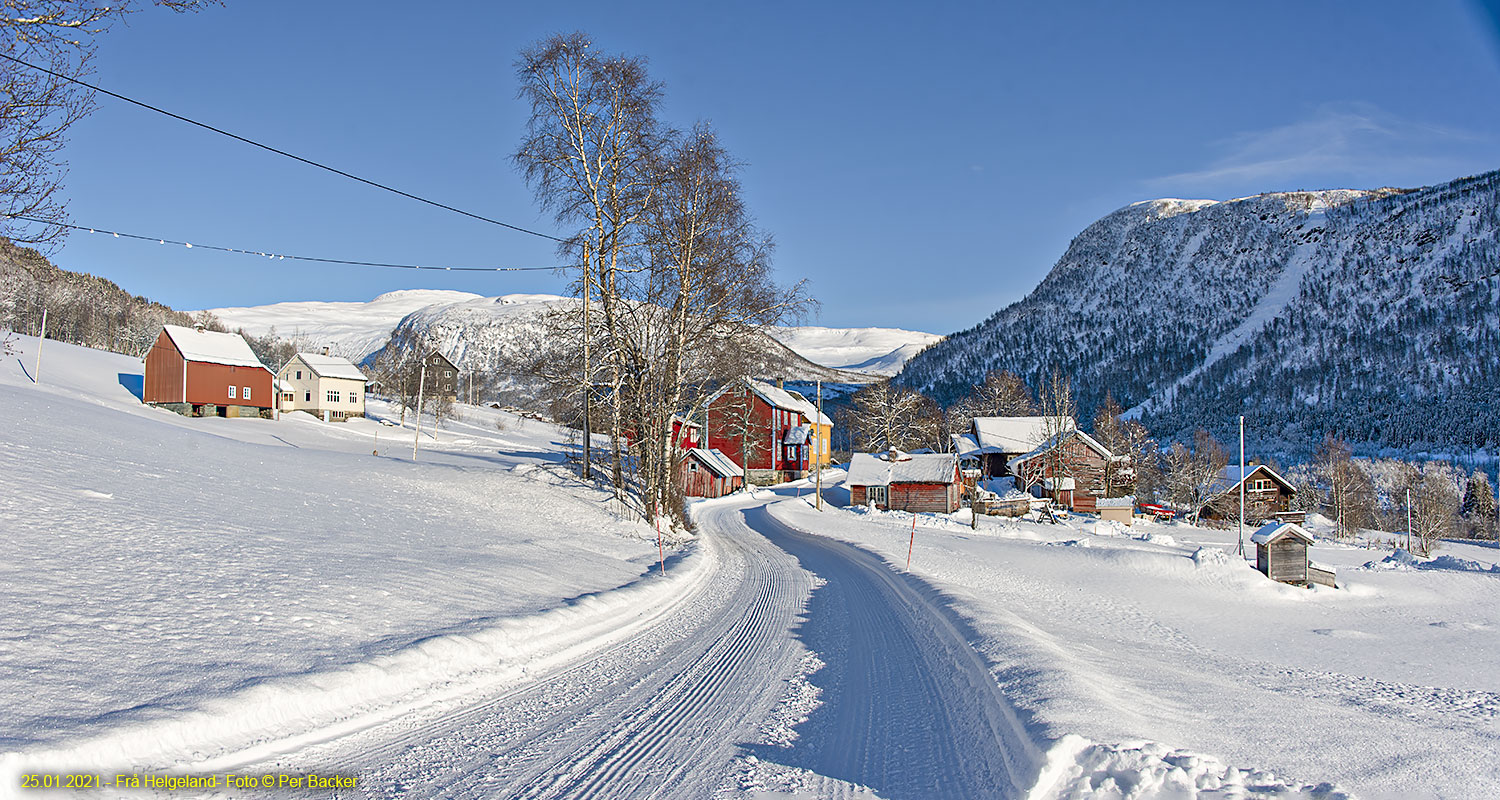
(1281, 553)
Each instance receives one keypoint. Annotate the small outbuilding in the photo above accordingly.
(203, 373)
(1117, 509)
(905, 482)
(1281, 554)
(709, 473)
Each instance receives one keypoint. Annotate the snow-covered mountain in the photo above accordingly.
(1373, 315)
(488, 332)
(876, 351)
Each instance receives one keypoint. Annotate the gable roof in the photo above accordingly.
(212, 347)
(719, 463)
(439, 354)
(866, 469)
(776, 397)
(331, 367)
(1230, 477)
(1014, 434)
(1271, 531)
(1047, 446)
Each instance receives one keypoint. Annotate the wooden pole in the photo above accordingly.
(421, 389)
(661, 553)
(36, 373)
(1408, 520)
(588, 378)
(819, 450)
(913, 543)
(1241, 549)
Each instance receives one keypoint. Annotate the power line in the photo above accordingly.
(292, 156)
(280, 256)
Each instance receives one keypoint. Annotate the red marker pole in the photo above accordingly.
(913, 542)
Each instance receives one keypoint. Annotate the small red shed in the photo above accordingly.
(198, 372)
(901, 482)
(709, 473)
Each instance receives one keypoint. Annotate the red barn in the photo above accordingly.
(775, 426)
(204, 373)
(709, 473)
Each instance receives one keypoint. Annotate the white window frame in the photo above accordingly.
(245, 393)
(878, 495)
(232, 390)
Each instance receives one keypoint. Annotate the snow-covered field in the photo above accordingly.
(1156, 662)
(172, 588)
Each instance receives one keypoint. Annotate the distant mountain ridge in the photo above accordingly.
(489, 332)
(1372, 315)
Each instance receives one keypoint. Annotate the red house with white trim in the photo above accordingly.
(779, 428)
(202, 373)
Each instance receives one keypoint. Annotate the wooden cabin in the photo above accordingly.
(1069, 468)
(709, 473)
(1268, 496)
(903, 482)
(442, 376)
(1281, 555)
(203, 373)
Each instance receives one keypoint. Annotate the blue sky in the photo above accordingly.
(922, 165)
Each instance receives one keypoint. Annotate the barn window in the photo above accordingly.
(245, 394)
(231, 392)
(692, 466)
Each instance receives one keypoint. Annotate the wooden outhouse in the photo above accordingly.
(198, 372)
(1117, 509)
(1281, 554)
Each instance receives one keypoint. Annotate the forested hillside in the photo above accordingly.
(1374, 316)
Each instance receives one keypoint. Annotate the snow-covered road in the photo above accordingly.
(677, 709)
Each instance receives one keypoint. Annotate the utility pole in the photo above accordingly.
(588, 378)
(36, 373)
(819, 450)
(421, 389)
(1241, 549)
(1408, 520)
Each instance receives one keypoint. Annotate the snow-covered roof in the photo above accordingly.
(1014, 434)
(721, 464)
(1128, 501)
(797, 435)
(1047, 446)
(965, 445)
(1271, 531)
(283, 386)
(212, 347)
(788, 400)
(1230, 477)
(332, 366)
(866, 469)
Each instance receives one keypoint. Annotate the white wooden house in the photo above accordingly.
(325, 386)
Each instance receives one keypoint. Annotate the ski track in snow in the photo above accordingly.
(908, 708)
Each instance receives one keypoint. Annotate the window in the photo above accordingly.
(333, 395)
(299, 374)
(288, 397)
(447, 373)
(231, 392)
(877, 495)
(353, 396)
(245, 394)
(692, 466)
(307, 396)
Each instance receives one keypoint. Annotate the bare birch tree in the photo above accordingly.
(38, 109)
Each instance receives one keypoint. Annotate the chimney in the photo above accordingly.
(778, 384)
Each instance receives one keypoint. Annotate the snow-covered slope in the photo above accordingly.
(350, 329)
(876, 351)
(1373, 315)
(171, 586)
